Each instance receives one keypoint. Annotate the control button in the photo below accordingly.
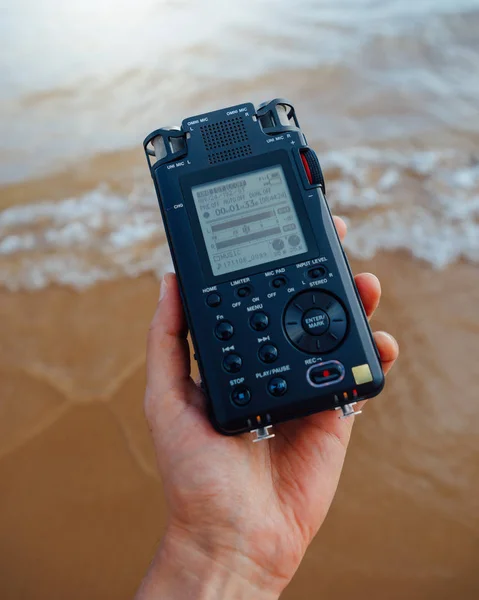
(244, 291)
(306, 325)
(268, 353)
(278, 244)
(315, 321)
(232, 363)
(277, 386)
(316, 272)
(213, 300)
(241, 395)
(279, 282)
(259, 321)
(325, 373)
(224, 330)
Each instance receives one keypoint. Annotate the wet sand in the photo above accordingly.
(81, 507)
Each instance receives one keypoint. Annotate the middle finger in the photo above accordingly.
(369, 289)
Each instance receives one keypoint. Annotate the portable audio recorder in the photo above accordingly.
(276, 321)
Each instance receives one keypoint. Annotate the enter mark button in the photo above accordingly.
(315, 321)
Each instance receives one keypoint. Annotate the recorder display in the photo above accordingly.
(248, 220)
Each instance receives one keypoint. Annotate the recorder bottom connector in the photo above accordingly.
(348, 410)
(263, 433)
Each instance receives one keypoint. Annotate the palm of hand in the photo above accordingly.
(263, 500)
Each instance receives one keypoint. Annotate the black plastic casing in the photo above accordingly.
(254, 139)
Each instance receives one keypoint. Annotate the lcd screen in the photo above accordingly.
(248, 220)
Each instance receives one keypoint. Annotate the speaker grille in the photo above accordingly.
(229, 154)
(224, 133)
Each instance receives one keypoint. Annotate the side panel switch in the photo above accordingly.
(312, 168)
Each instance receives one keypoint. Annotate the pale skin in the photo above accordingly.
(240, 515)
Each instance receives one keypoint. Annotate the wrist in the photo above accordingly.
(187, 567)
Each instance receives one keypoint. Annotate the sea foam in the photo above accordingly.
(424, 202)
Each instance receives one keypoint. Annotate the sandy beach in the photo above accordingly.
(82, 509)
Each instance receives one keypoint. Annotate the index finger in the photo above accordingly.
(167, 360)
(341, 227)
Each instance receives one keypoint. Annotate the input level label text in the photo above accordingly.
(309, 263)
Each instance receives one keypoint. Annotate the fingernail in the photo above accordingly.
(393, 339)
(163, 286)
(375, 277)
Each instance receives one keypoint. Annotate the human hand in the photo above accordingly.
(241, 515)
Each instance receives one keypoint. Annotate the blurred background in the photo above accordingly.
(388, 95)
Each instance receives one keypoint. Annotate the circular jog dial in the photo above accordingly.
(315, 322)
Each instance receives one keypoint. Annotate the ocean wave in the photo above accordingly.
(423, 202)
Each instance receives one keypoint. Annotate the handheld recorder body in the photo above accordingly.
(277, 325)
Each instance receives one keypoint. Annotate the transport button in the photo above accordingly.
(279, 282)
(277, 386)
(316, 272)
(325, 373)
(224, 330)
(259, 321)
(268, 353)
(241, 395)
(315, 321)
(232, 363)
(213, 300)
(244, 291)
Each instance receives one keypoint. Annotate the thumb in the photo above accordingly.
(168, 357)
